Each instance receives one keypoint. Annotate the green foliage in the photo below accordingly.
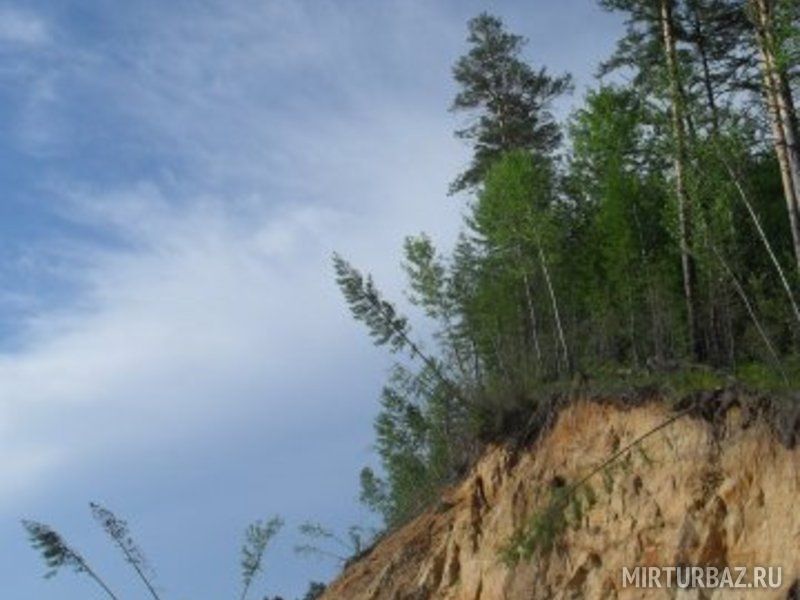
(639, 50)
(764, 376)
(787, 33)
(511, 211)
(417, 432)
(622, 268)
(441, 288)
(545, 526)
(257, 537)
(117, 529)
(686, 381)
(427, 277)
(564, 508)
(58, 554)
(54, 549)
(516, 221)
(582, 274)
(366, 304)
(323, 542)
(510, 98)
(375, 494)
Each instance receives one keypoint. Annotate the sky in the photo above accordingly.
(176, 176)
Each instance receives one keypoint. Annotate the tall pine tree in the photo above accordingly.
(509, 98)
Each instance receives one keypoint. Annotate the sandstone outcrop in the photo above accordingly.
(718, 491)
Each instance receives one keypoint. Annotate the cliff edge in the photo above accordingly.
(718, 486)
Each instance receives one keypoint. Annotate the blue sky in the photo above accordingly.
(175, 177)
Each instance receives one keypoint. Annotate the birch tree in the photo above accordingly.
(780, 104)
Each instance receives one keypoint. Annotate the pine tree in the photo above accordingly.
(716, 34)
(509, 99)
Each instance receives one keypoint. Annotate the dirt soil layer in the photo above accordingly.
(717, 489)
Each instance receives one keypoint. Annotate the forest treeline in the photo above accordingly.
(657, 228)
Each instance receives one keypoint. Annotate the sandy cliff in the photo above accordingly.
(719, 490)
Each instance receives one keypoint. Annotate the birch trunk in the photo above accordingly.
(532, 317)
(688, 266)
(556, 313)
(783, 119)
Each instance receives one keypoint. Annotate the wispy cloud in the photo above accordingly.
(206, 313)
(206, 301)
(248, 142)
(193, 169)
(22, 27)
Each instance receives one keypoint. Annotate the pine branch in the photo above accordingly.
(117, 530)
(57, 553)
(257, 537)
(381, 318)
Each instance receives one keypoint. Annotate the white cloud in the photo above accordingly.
(20, 27)
(198, 308)
(216, 155)
(216, 299)
(213, 309)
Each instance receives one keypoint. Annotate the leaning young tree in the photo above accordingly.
(117, 529)
(386, 326)
(57, 553)
(257, 537)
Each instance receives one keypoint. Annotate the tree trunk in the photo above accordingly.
(783, 119)
(556, 314)
(688, 266)
(532, 316)
(786, 109)
(751, 311)
(788, 119)
(708, 86)
(763, 236)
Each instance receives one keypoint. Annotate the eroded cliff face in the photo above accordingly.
(699, 492)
